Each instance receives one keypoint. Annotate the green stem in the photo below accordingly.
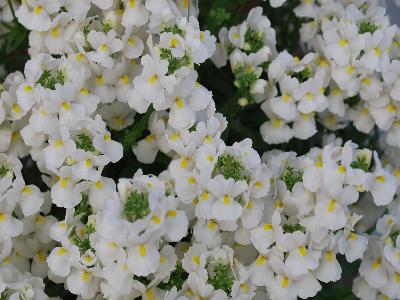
(12, 10)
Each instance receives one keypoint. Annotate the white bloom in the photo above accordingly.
(34, 14)
(352, 245)
(143, 259)
(61, 259)
(104, 46)
(343, 42)
(28, 197)
(225, 191)
(135, 14)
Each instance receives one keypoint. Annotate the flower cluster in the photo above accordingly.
(352, 75)
(25, 240)
(220, 222)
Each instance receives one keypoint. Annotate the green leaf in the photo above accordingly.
(134, 132)
(367, 26)
(291, 177)
(221, 279)
(136, 206)
(16, 35)
(3, 171)
(229, 167)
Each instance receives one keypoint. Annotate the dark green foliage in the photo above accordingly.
(220, 15)
(361, 163)
(290, 228)
(3, 171)
(107, 27)
(174, 63)
(291, 177)
(49, 81)
(83, 209)
(13, 44)
(136, 206)
(302, 75)
(229, 167)
(352, 101)
(393, 236)
(82, 244)
(90, 228)
(221, 279)
(254, 41)
(173, 29)
(244, 79)
(84, 142)
(177, 278)
(130, 135)
(367, 26)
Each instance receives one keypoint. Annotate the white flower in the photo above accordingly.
(343, 42)
(282, 287)
(150, 86)
(58, 34)
(207, 233)
(276, 131)
(220, 56)
(376, 57)
(9, 226)
(373, 271)
(277, 3)
(173, 42)
(34, 14)
(194, 259)
(329, 268)
(28, 197)
(61, 259)
(304, 126)
(352, 245)
(332, 213)
(362, 119)
(284, 106)
(143, 259)
(310, 95)
(117, 280)
(133, 45)
(66, 192)
(265, 235)
(383, 184)
(200, 288)
(135, 14)
(225, 191)
(82, 282)
(300, 258)
(104, 46)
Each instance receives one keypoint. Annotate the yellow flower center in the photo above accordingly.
(343, 43)
(152, 79)
(171, 213)
(142, 250)
(302, 250)
(55, 33)
(27, 190)
(329, 256)
(376, 264)
(331, 205)
(38, 10)
(196, 259)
